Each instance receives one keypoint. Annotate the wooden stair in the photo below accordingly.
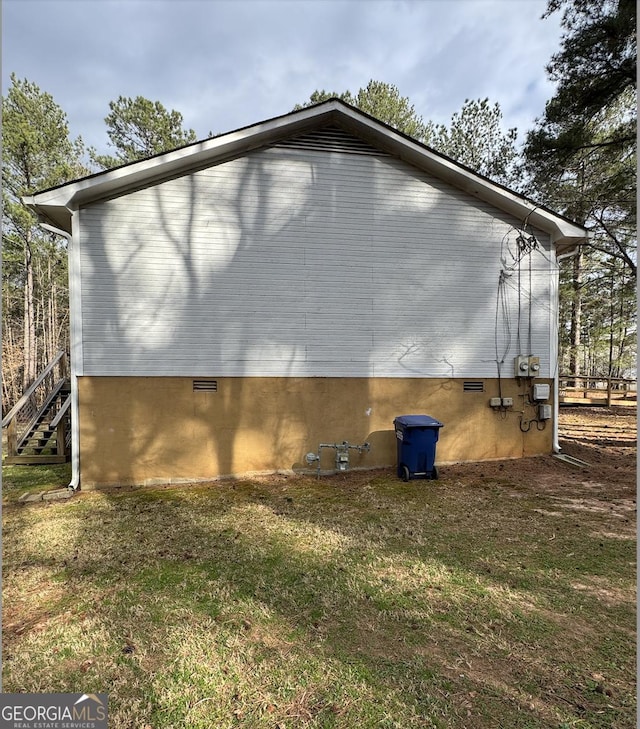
(39, 424)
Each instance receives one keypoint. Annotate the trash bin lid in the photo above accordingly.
(418, 421)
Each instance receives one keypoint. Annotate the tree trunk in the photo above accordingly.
(12, 362)
(30, 354)
(612, 325)
(576, 317)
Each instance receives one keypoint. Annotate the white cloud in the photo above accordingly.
(226, 64)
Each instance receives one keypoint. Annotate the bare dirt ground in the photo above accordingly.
(605, 438)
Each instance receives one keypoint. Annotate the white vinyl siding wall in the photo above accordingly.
(305, 263)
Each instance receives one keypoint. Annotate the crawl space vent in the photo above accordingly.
(473, 386)
(205, 385)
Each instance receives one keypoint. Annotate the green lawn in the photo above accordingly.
(19, 480)
(479, 600)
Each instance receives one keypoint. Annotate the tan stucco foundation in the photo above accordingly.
(157, 429)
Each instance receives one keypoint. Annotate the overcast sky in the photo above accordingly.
(226, 64)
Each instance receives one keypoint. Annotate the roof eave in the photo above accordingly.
(57, 204)
(569, 245)
(564, 233)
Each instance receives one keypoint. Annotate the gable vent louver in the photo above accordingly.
(205, 385)
(473, 386)
(331, 139)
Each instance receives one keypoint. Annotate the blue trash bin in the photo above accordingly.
(416, 438)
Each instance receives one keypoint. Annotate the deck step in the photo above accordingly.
(31, 437)
(41, 437)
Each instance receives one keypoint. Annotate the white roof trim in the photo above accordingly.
(56, 205)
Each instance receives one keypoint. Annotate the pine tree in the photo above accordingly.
(475, 138)
(581, 159)
(37, 154)
(380, 100)
(140, 128)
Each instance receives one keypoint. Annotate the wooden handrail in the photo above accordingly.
(596, 388)
(65, 406)
(34, 386)
(597, 378)
(34, 420)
